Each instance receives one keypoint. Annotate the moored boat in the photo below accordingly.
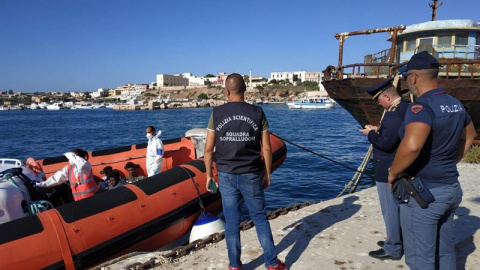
(142, 216)
(311, 103)
(455, 43)
(55, 106)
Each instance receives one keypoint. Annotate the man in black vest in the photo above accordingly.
(239, 131)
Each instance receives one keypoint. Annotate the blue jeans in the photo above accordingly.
(391, 217)
(428, 234)
(250, 186)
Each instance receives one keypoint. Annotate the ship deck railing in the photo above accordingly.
(450, 68)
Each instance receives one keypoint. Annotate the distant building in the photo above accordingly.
(302, 76)
(114, 92)
(100, 93)
(221, 77)
(194, 80)
(171, 80)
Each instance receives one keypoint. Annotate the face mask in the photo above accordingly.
(149, 136)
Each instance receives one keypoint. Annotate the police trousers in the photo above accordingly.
(428, 234)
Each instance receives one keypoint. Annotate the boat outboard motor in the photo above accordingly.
(198, 136)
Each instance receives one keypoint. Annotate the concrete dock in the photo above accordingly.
(335, 234)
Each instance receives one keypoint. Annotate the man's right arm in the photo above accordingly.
(56, 179)
(466, 140)
(208, 157)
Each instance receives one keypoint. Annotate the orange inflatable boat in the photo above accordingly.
(142, 216)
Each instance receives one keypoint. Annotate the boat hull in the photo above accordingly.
(142, 216)
(352, 96)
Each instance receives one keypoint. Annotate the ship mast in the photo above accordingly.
(434, 8)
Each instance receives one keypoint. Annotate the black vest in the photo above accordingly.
(238, 131)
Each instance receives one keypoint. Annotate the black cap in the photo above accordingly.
(422, 60)
(377, 89)
(106, 169)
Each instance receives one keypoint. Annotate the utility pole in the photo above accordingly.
(434, 8)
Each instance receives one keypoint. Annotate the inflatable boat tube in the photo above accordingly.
(142, 216)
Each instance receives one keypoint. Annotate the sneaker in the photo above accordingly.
(234, 268)
(280, 266)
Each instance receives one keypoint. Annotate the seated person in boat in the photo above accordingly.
(104, 183)
(132, 175)
(78, 173)
(114, 180)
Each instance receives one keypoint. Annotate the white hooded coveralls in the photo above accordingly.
(154, 155)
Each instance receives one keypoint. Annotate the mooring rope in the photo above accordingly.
(320, 155)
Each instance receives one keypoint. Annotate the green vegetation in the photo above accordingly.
(473, 155)
(203, 96)
(259, 87)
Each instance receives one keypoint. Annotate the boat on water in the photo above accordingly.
(455, 43)
(258, 101)
(34, 106)
(141, 216)
(55, 106)
(85, 106)
(312, 103)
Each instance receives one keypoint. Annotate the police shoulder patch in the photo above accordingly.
(417, 108)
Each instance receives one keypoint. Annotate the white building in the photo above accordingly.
(302, 76)
(194, 80)
(100, 93)
(171, 80)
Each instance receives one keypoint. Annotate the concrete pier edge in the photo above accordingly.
(334, 234)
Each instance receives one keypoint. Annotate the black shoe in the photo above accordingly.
(381, 243)
(382, 255)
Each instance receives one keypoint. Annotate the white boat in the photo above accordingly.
(34, 106)
(55, 106)
(258, 101)
(4, 108)
(110, 106)
(42, 105)
(86, 106)
(312, 103)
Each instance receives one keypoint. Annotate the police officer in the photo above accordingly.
(437, 132)
(385, 140)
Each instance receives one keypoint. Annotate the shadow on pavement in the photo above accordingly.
(306, 229)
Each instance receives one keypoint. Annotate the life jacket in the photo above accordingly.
(83, 185)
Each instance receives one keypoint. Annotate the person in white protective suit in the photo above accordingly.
(78, 173)
(154, 151)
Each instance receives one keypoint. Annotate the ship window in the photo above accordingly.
(400, 46)
(444, 40)
(461, 39)
(411, 44)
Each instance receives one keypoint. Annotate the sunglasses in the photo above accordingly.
(406, 74)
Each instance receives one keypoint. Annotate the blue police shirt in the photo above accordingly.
(446, 118)
(385, 142)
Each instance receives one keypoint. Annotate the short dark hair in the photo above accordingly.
(80, 152)
(114, 174)
(131, 165)
(235, 84)
(151, 127)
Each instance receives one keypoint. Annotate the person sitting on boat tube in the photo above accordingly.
(154, 151)
(114, 180)
(78, 173)
(132, 176)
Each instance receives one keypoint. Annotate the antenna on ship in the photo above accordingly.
(434, 8)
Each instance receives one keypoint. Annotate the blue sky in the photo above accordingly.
(58, 45)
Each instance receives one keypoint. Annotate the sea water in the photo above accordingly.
(302, 177)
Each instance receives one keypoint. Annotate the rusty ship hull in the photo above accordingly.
(352, 96)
